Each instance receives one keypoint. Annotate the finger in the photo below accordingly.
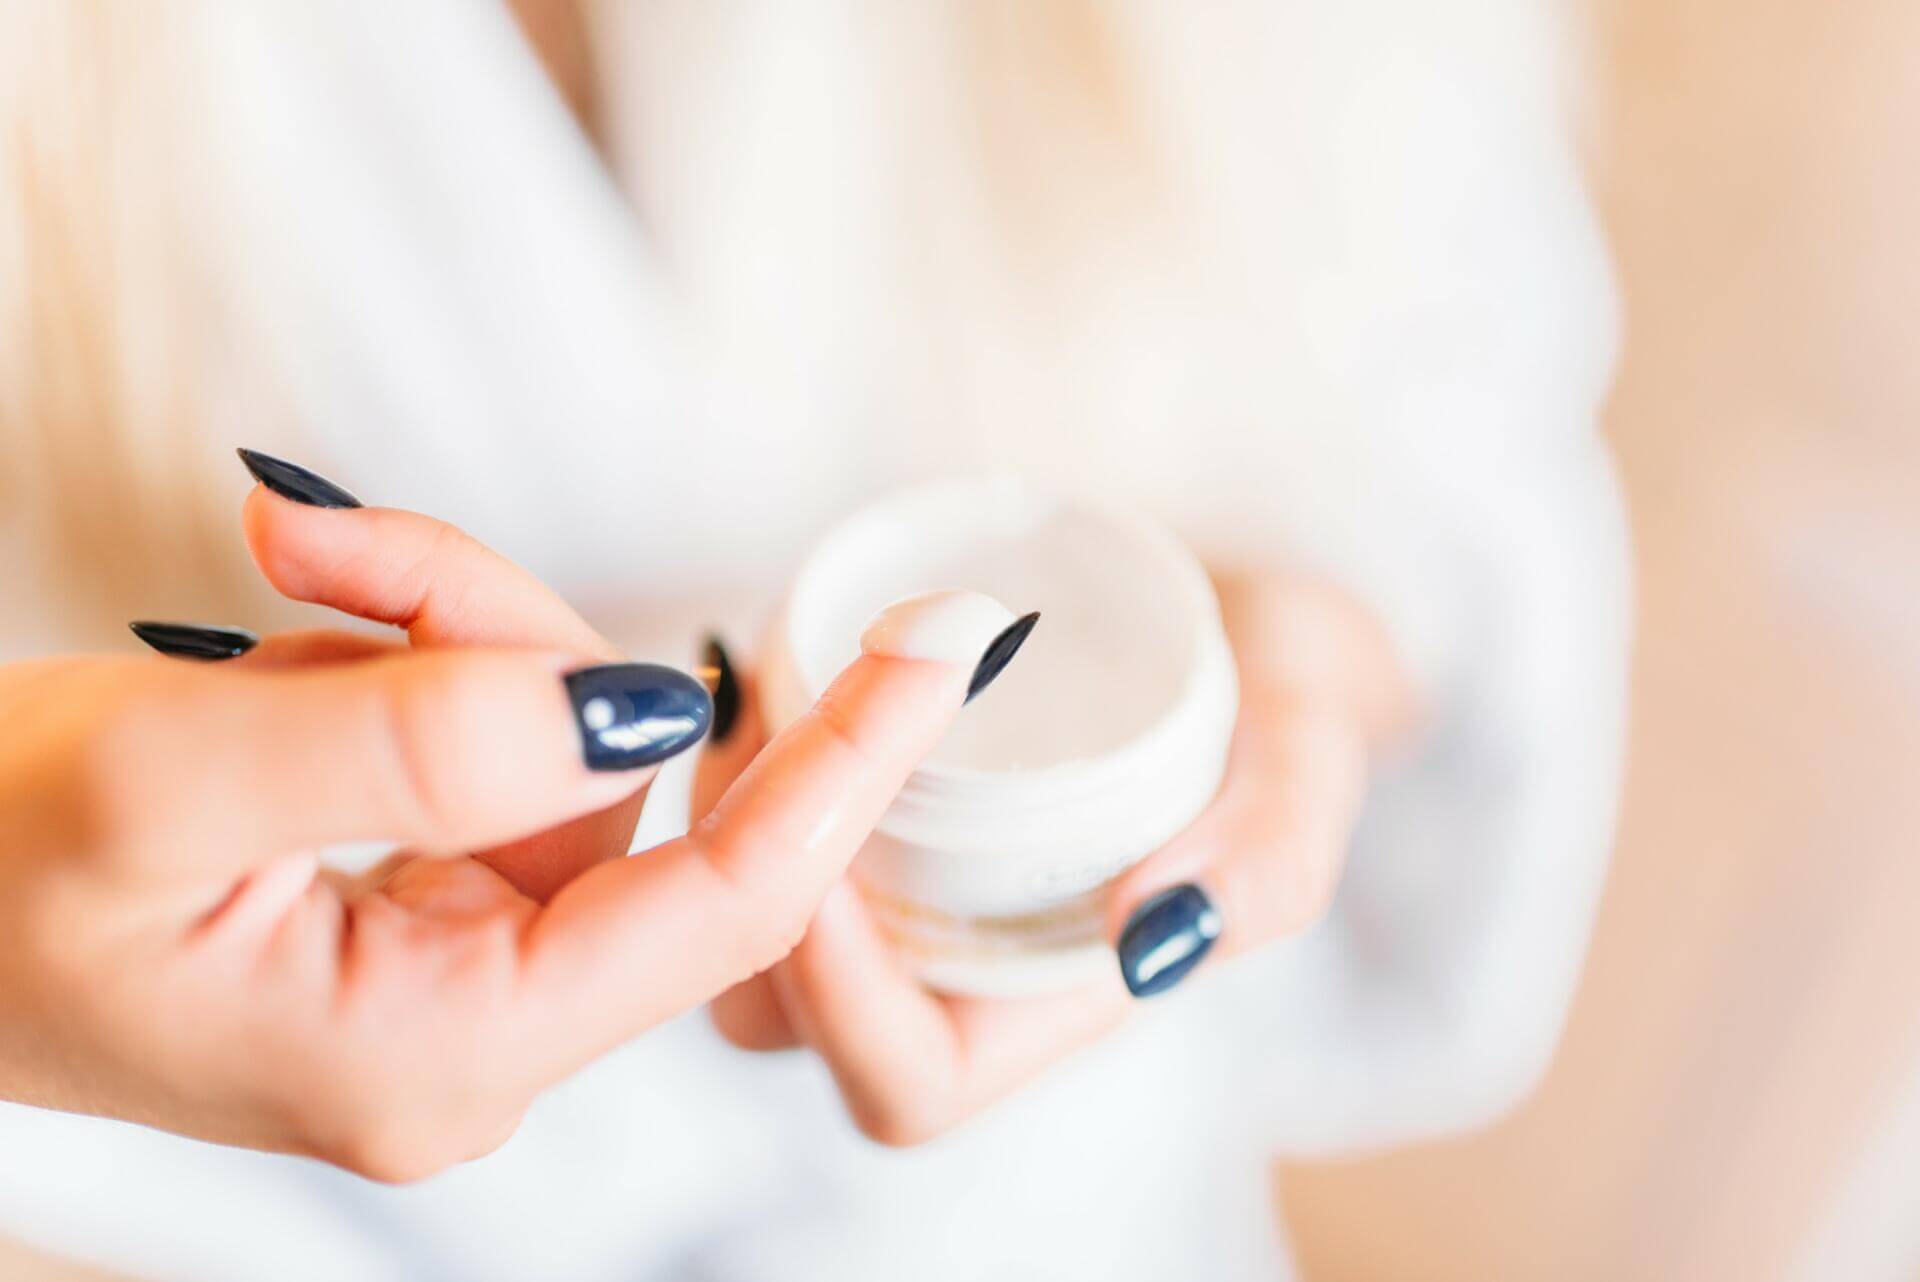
(807, 801)
(911, 1063)
(749, 1015)
(455, 889)
(1320, 688)
(636, 940)
(316, 645)
(738, 734)
(210, 769)
(890, 1044)
(441, 585)
(444, 588)
(1262, 862)
(260, 899)
(1307, 639)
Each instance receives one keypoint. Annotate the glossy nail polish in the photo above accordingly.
(291, 481)
(194, 640)
(635, 714)
(1000, 653)
(1066, 803)
(1166, 937)
(726, 689)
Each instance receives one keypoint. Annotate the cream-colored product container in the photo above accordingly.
(1105, 736)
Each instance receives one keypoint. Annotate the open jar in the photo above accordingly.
(1106, 737)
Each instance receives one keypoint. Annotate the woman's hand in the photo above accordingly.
(1320, 691)
(171, 953)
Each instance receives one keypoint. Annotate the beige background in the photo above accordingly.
(1753, 1002)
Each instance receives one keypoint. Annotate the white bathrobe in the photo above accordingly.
(1315, 281)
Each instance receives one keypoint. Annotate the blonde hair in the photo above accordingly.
(1052, 79)
(108, 467)
(97, 324)
(110, 481)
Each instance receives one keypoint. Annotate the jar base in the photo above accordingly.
(1032, 955)
(1032, 974)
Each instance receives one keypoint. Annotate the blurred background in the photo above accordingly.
(1736, 1095)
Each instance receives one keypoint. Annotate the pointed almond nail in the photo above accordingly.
(194, 640)
(291, 481)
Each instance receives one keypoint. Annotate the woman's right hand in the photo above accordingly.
(171, 953)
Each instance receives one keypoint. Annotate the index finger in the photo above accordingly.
(446, 589)
(410, 570)
(636, 940)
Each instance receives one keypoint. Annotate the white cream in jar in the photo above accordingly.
(1104, 737)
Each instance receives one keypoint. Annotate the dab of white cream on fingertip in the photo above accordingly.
(952, 625)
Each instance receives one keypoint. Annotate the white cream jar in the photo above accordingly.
(1105, 737)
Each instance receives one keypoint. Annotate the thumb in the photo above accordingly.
(212, 770)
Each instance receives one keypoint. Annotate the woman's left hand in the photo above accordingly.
(1321, 691)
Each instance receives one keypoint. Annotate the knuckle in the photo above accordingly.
(733, 1033)
(435, 586)
(843, 731)
(786, 925)
(389, 1126)
(772, 930)
(426, 720)
(377, 1154)
(736, 1029)
(768, 921)
(897, 1123)
(435, 546)
(492, 1140)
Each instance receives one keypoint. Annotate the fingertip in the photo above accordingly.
(949, 626)
(256, 521)
(749, 1016)
(279, 535)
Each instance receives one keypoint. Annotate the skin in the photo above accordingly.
(1321, 696)
(171, 953)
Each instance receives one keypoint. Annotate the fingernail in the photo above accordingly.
(634, 714)
(726, 688)
(1166, 937)
(291, 481)
(1000, 653)
(194, 640)
(953, 626)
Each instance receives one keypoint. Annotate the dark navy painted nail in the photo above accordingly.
(194, 640)
(1000, 652)
(291, 481)
(726, 688)
(1166, 938)
(634, 714)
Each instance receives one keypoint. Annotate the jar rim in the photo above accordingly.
(984, 505)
